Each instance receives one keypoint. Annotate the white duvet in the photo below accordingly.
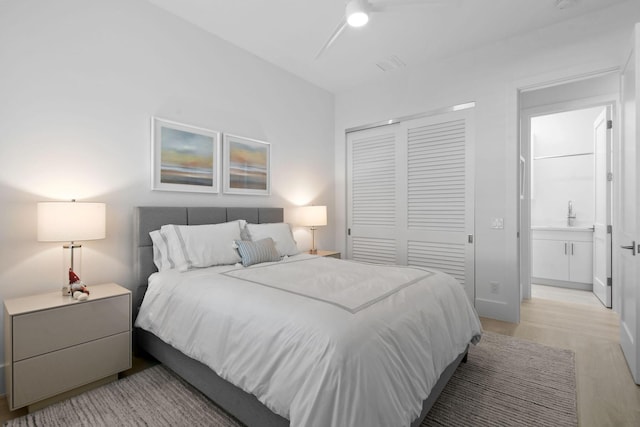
(298, 337)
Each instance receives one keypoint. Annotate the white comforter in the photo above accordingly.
(334, 359)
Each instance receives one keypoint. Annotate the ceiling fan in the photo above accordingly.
(357, 14)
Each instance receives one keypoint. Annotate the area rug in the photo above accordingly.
(509, 382)
(506, 382)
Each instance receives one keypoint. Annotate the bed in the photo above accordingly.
(325, 400)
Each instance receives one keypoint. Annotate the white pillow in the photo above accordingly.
(280, 233)
(160, 251)
(244, 235)
(197, 246)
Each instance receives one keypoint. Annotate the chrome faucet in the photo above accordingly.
(571, 216)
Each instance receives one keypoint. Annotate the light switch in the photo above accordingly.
(497, 223)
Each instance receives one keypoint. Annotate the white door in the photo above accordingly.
(628, 207)
(372, 195)
(440, 195)
(410, 195)
(602, 128)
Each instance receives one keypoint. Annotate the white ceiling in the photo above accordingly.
(289, 33)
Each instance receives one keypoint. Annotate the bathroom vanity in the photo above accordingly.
(562, 256)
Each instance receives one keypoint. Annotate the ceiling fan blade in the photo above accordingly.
(381, 6)
(341, 26)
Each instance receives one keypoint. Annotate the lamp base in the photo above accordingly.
(71, 259)
(313, 251)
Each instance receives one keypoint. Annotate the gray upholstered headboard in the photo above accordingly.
(149, 218)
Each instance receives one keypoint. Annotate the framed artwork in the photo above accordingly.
(246, 166)
(184, 158)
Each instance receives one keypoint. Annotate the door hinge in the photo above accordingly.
(609, 229)
(348, 232)
(609, 124)
(470, 238)
(609, 281)
(609, 176)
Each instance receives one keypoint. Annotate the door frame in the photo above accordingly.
(523, 160)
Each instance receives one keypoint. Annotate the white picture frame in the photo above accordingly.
(184, 157)
(246, 166)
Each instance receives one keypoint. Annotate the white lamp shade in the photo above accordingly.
(71, 221)
(312, 216)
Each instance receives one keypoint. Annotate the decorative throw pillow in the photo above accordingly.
(281, 234)
(197, 246)
(263, 250)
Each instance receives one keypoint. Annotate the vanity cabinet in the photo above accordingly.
(563, 258)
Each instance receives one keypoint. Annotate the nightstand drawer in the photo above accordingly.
(43, 376)
(49, 330)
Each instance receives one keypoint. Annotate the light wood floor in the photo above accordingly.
(566, 295)
(606, 393)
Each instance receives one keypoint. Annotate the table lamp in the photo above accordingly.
(71, 222)
(312, 216)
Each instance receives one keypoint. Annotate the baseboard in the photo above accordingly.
(498, 310)
(3, 390)
(562, 284)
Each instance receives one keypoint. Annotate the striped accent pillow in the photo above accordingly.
(263, 250)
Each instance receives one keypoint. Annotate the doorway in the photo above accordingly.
(565, 213)
(570, 204)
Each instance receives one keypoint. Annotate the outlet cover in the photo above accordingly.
(495, 287)
(497, 223)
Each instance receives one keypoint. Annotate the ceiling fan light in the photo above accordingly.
(358, 19)
(357, 15)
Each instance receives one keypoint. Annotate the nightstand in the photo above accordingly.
(329, 254)
(56, 346)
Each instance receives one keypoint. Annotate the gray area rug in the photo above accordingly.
(506, 382)
(509, 382)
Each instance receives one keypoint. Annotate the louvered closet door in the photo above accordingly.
(410, 195)
(371, 191)
(440, 196)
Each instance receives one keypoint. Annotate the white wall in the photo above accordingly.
(556, 180)
(491, 77)
(79, 82)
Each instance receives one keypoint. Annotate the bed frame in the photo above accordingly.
(240, 404)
